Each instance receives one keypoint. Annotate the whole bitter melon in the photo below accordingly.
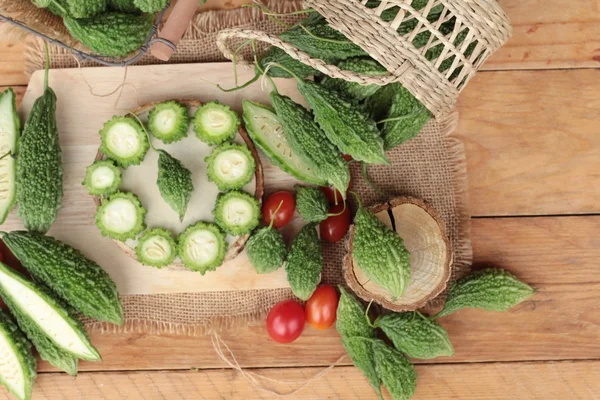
(125, 6)
(174, 183)
(310, 142)
(39, 168)
(73, 277)
(278, 56)
(150, 6)
(305, 262)
(352, 91)
(111, 34)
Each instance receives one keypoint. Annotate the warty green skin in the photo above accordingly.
(266, 250)
(39, 167)
(311, 203)
(491, 289)
(140, 212)
(305, 262)
(21, 348)
(76, 279)
(125, 6)
(310, 142)
(276, 55)
(396, 372)
(415, 335)
(111, 34)
(152, 233)
(394, 101)
(150, 6)
(84, 8)
(380, 253)
(351, 320)
(47, 348)
(360, 350)
(352, 91)
(346, 126)
(174, 183)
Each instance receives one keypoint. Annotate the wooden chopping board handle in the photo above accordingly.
(173, 30)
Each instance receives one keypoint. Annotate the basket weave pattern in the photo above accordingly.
(435, 71)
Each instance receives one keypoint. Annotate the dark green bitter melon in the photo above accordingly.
(266, 250)
(125, 6)
(278, 56)
(305, 262)
(353, 91)
(174, 183)
(150, 6)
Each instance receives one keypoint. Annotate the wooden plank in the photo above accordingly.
(557, 256)
(540, 380)
(550, 34)
(532, 142)
(12, 67)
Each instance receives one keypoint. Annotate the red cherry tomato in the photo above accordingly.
(333, 195)
(285, 321)
(285, 212)
(347, 157)
(1, 256)
(334, 228)
(321, 308)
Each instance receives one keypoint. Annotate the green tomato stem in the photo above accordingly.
(275, 214)
(367, 315)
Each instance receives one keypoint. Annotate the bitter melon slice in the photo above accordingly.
(214, 123)
(10, 127)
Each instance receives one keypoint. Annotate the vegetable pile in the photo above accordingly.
(112, 28)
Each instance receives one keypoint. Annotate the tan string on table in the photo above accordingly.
(254, 378)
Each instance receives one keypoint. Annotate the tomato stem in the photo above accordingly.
(367, 315)
(275, 214)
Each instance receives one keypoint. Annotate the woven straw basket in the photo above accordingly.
(483, 21)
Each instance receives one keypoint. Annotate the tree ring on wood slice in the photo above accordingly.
(424, 234)
(256, 187)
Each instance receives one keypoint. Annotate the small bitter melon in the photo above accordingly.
(230, 166)
(102, 178)
(311, 203)
(121, 216)
(396, 372)
(236, 212)
(156, 248)
(202, 247)
(169, 121)
(174, 183)
(305, 262)
(124, 140)
(266, 249)
(310, 143)
(18, 362)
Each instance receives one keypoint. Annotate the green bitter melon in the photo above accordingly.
(266, 249)
(125, 6)
(230, 166)
(73, 277)
(10, 129)
(174, 183)
(352, 91)
(18, 362)
(305, 262)
(278, 56)
(124, 141)
(150, 6)
(121, 216)
(156, 248)
(396, 372)
(169, 121)
(202, 247)
(311, 203)
(102, 178)
(215, 123)
(236, 212)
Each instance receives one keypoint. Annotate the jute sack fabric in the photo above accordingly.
(430, 166)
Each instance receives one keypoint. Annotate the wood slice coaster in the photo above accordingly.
(191, 151)
(424, 235)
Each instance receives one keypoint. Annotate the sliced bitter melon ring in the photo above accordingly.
(424, 234)
(141, 180)
(214, 123)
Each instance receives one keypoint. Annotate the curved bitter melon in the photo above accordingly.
(102, 178)
(156, 248)
(305, 262)
(121, 216)
(123, 140)
(111, 34)
(73, 277)
(310, 143)
(202, 247)
(266, 132)
(18, 362)
(230, 166)
(214, 123)
(10, 128)
(237, 213)
(169, 121)
(43, 318)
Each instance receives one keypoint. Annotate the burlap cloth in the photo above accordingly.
(431, 167)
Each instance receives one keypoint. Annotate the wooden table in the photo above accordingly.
(531, 126)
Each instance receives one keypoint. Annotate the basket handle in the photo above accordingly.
(173, 30)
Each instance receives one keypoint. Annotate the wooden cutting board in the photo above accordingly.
(88, 97)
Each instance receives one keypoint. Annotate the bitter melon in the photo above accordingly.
(396, 372)
(202, 247)
(84, 8)
(380, 253)
(40, 315)
(156, 247)
(17, 367)
(305, 262)
(150, 6)
(266, 132)
(111, 34)
(39, 168)
(10, 128)
(72, 276)
(352, 91)
(169, 121)
(311, 203)
(121, 216)
(230, 166)
(125, 6)
(174, 183)
(237, 213)
(491, 289)
(214, 123)
(278, 56)
(310, 143)
(345, 125)
(415, 335)
(123, 140)
(266, 249)
(102, 178)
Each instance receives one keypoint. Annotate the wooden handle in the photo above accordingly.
(174, 28)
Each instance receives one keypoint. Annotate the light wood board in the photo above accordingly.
(89, 97)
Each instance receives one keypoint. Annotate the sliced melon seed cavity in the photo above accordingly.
(120, 215)
(123, 140)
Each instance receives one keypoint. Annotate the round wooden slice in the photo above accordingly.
(424, 235)
(141, 180)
